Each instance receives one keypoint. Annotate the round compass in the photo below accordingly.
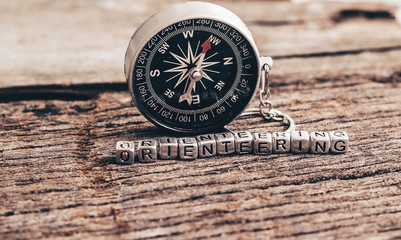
(192, 68)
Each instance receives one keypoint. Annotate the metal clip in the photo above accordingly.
(266, 106)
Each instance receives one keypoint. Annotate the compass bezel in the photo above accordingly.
(170, 16)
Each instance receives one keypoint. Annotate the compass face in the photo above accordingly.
(195, 75)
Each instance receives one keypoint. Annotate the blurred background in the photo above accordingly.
(69, 42)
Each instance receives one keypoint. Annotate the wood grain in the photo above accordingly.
(59, 179)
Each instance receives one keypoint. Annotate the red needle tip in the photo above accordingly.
(205, 46)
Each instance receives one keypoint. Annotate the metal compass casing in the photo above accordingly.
(192, 68)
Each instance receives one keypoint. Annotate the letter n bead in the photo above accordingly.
(338, 142)
(207, 145)
(147, 151)
(125, 152)
(320, 142)
(281, 142)
(300, 142)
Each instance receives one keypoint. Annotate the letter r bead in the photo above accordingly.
(281, 142)
(125, 152)
(338, 142)
(147, 151)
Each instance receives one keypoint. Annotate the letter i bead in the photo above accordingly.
(125, 152)
(168, 148)
(300, 142)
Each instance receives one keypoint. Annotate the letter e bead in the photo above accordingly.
(125, 152)
(188, 148)
(338, 142)
(147, 151)
(281, 142)
(243, 142)
(262, 143)
(320, 142)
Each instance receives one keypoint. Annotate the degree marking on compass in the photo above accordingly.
(161, 109)
(147, 50)
(239, 42)
(246, 74)
(245, 58)
(212, 113)
(148, 99)
(141, 66)
(227, 103)
(142, 83)
(228, 30)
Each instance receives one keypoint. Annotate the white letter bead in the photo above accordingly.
(125, 152)
(262, 143)
(281, 142)
(207, 145)
(147, 151)
(338, 142)
(188, 148)
(225, 143)
(168, 148)
(243, 142)
(300, 142)
(320, 142)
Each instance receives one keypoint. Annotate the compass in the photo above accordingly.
(192, 68)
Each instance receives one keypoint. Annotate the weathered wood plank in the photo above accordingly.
(58, 156)
(57, 171)
(75, 42)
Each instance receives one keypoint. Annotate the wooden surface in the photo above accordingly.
(64, 104)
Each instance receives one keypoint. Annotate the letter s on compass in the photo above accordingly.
(192, 67)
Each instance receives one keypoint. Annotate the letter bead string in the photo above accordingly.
(208, 145)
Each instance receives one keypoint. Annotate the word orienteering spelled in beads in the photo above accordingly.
(208, 145)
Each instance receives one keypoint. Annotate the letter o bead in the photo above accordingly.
(125, 152)
(339, 141)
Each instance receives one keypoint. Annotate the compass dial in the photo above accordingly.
(195, 75)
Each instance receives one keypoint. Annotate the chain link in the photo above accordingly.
(265, 105)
